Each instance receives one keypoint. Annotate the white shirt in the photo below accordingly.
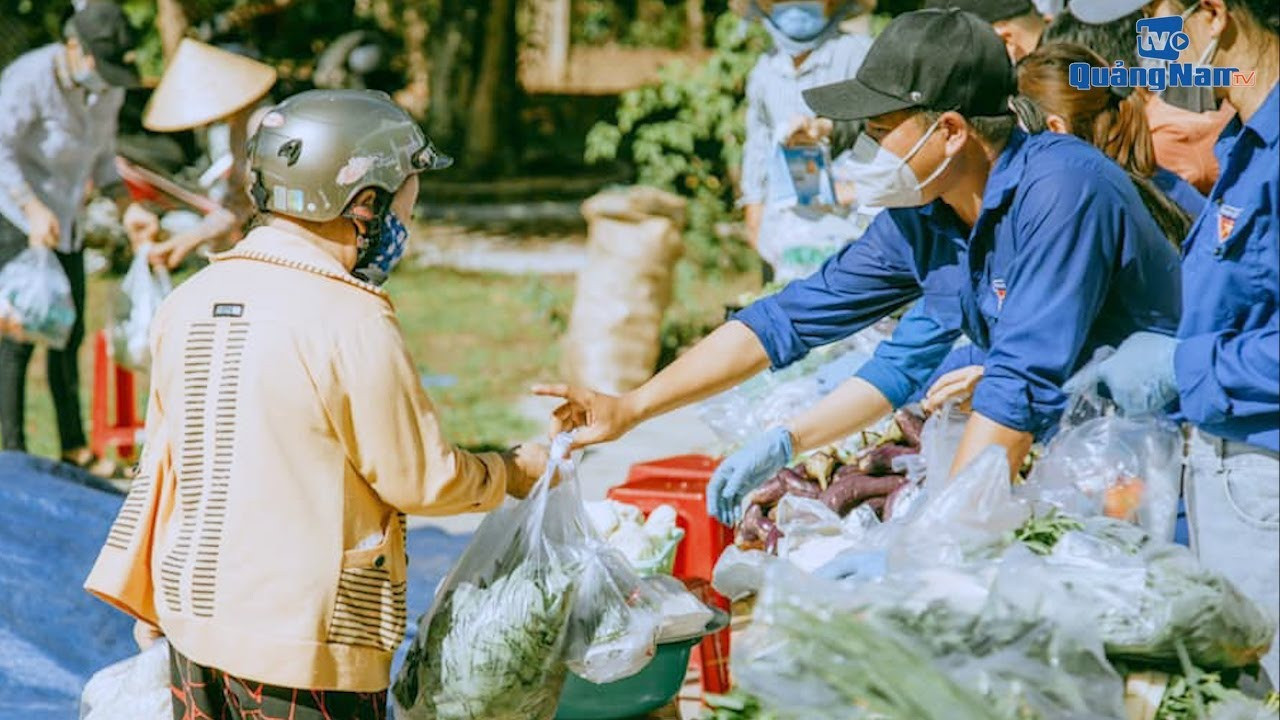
(774, 98)
(54, 137)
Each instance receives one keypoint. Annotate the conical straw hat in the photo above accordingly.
(202, 84)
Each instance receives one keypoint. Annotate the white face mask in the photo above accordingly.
(885, 180)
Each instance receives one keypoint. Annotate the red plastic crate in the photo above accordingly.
(681, 482)
(679, 467)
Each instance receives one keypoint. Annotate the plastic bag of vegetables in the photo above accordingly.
(925, 646)
(35, 299)
(493, 644)
(134, 305)
(1101, 463)
(1144, 597)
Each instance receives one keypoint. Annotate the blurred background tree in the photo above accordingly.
(685, 134)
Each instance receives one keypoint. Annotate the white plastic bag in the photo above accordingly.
(35, 299)
(1101, 463)
(136, 688)
(133, 307)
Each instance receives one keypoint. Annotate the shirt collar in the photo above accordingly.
(1006, 174)
(819, 58)
(61, 71)
(1265, 122)
(272, 245)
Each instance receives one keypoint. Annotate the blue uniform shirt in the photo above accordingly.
(1057, 265)
(1228, 360)
(1180, 191)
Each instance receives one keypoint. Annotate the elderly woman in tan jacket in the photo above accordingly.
(287, 435)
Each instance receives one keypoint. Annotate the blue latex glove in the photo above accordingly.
(746, 470)
(835, 373)
(1139, 375)
(860, 564)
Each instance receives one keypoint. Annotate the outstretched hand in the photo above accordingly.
(593, 416)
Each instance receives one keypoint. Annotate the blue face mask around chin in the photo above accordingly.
(800, 20)
(384, 251)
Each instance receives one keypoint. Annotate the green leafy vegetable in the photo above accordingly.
(1041, 532)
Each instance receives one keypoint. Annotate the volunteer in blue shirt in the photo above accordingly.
(1027, 244)
(1223, 369)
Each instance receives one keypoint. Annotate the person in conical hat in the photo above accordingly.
(206, 86)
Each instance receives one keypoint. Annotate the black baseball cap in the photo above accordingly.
(937, 60)
(990, 10)
(104, 32)
(1100, 12)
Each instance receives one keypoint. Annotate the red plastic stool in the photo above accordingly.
(122, 434)
(681, 482)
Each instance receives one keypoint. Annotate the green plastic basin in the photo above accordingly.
(644, 692)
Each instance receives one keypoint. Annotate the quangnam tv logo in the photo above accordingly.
(1162, 41)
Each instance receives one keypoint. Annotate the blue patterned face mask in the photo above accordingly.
(802, 21)
(383, 252)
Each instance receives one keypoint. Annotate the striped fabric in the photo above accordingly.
(369, 609)
(212, 355)
(125, 528)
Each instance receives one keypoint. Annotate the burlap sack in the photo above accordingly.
(634, 240)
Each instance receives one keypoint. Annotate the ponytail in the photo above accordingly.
(1122, 133)
(1172, 220)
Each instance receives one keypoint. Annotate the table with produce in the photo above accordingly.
(863, 586)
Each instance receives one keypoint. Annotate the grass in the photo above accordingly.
(494, 334)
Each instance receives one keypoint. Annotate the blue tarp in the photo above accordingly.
(54, 635)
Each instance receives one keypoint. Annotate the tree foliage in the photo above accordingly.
(685, 134)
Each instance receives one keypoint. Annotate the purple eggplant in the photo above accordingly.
(911, 426)
(797, 484)
(771, 540)
(750, 529)
(879, 460)
(849, 491)
(769, 493)
(877, 503)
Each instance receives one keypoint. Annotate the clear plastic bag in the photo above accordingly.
(683, 614)
(939, 441)
(930, 644)
(963, 520)
(813, 535)
(35, 299)
(133, 306)
(613, 630)
(901, 649)
(1144, 598)
(1102, 463)
(771, 398)
(136, 688)
(493, 644)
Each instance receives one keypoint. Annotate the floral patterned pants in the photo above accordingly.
(202, 693)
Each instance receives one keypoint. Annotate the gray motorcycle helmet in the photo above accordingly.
(315, 151)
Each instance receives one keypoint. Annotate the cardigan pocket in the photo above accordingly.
(369, 607)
